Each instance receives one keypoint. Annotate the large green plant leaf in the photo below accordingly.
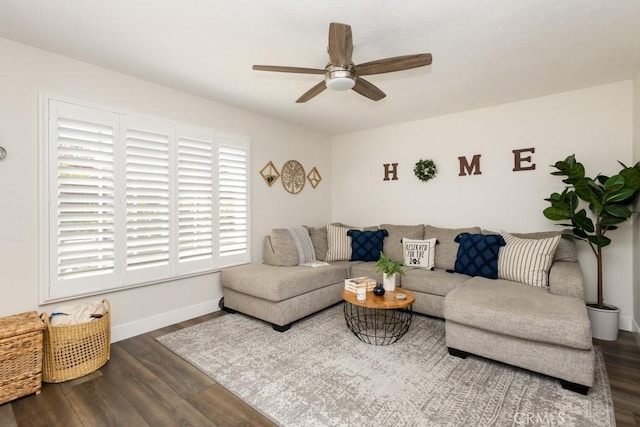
(581, 220)
(607, 220)
(613, 184)
(631, 176)
(618, 196)
(587, 192)
(580, 233)
(576, 171)
(572, 200)
(600, 241)
(618, 211)
(556, 214)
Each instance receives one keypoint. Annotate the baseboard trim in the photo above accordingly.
(626, 323)
(141, 326)
(636, 332)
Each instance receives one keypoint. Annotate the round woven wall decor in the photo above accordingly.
(293, 176)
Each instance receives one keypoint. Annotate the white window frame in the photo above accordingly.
(193, 258)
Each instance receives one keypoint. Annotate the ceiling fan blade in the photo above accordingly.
(283, 69)
(340, 45)
(312, 92)
(367, 89)
(397, 63)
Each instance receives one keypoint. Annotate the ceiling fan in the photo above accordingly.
(342, 74)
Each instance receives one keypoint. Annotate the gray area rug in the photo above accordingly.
(319, 374)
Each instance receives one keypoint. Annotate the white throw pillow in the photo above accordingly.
(419, 253)
(526, 260)
(339, 244)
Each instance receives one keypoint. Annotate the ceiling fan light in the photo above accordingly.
(338, 78)
(341, 83)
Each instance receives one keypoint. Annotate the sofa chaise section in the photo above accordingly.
(524, 326)
(282, 295)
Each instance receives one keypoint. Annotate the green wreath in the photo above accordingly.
(425, 170)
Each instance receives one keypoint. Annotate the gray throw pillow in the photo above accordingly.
(393, 242)
(319, 240)
(447, 248)
(279, 249)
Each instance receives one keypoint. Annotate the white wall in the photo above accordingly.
(594, 123)
(25, 72)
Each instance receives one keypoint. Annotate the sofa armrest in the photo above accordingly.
(565, 278)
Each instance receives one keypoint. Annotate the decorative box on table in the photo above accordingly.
(20, 355)
(355, 283)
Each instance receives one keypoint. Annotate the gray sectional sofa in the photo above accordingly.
(544, 329)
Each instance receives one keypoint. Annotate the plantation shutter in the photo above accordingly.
(195, 154)
(132, 200)
(233, 169)
(147, 199)
(81, 198)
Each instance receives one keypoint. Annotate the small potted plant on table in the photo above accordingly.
(389, 269)
(608, 199)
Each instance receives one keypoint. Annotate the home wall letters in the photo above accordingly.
(521, 162)
(390, 169)
(518, 159)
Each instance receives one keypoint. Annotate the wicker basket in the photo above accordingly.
(71, 351)
(20, 355)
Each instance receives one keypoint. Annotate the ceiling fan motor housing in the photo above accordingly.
(340, 78)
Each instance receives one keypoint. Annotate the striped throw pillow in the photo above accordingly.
(339, 244)
(526, 260)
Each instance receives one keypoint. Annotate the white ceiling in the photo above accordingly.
(485, 52)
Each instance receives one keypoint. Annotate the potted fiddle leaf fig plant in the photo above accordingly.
(389, 269)
(608, 199)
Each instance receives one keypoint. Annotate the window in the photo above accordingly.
(131, 200)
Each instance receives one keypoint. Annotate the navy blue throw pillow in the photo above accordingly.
(478, 254)
(366, 245)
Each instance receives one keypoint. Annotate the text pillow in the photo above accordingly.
(527, 260)
(366, 245)
(419, 253)
(478, 254)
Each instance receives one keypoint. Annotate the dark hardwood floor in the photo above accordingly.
(144, 384)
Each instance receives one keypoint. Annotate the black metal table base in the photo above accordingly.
(377, 326)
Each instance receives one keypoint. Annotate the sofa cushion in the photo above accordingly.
(520, 310)
(366, 245)
(393, 243)
(436, 282)
(279, 249)
(566, 250)
(478, 254)
(447, 248)
(319, 240)
(527, 260)
(280, 283)
(338, 243)
(419, 253)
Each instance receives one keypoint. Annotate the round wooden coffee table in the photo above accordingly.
(378, 320)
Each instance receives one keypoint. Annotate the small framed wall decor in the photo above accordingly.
(293, 177)
(314, 177)
(270, 173)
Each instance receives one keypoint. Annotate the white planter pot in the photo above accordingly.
(604, 323)
(389, 282)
